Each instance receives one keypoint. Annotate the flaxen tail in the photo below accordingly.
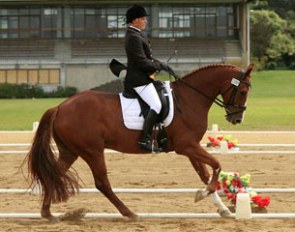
(44, 168)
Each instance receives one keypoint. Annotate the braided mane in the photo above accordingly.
(210, 66)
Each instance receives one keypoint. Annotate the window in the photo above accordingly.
(115, 26)
(85, 22)
(197, 21)
(49, 23)
(78, 22)
(28, 22)
(165, 22)
(98, 22)
(200, 21)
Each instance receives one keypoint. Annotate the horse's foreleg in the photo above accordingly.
(203, 157)
(202, 170)
(222, 209)
(99, 171)
(199, 158)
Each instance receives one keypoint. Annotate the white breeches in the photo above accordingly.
(149, 94)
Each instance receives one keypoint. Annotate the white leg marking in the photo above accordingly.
(222, 209)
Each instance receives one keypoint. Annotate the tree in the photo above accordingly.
(284, 8)
(271, 42)
(281, 49)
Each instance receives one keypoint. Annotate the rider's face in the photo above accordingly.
(140, 23)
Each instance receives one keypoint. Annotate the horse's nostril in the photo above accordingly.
(238, 121)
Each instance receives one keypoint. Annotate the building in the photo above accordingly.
(71, 42)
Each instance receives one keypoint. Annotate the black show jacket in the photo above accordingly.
(140, 61)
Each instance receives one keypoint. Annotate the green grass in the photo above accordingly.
(262, 114)
(271, 106)
(269, 84)
(19, 114)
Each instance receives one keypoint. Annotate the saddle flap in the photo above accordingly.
(131, 110)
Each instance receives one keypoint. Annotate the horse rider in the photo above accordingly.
(141, 71)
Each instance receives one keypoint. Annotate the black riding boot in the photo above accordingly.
(146, 143)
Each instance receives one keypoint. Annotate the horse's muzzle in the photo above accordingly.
(234, 117)
(234, 120)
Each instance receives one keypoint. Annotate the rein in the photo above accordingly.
(215, 100)
(235, 82)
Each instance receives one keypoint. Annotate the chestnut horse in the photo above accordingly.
(88, 122)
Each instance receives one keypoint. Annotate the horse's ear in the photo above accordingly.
(249, 70)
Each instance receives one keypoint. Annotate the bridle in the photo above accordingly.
(235, 83)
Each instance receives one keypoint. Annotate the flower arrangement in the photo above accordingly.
(215, 142)
(230, 183)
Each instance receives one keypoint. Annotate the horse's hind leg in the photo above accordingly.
(66, 159)
(98, 168)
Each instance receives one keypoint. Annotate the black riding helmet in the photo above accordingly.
(135, 12)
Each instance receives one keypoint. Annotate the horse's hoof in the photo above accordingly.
(199, 195)
(75, 215)
(53, 220)
(226, 213)
(133, 217)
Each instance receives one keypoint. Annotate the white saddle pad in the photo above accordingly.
(131, 110)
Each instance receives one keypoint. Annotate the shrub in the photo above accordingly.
(8, 90)
(64, 92)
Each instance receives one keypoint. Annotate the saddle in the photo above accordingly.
(134, 111)
(163, 95)
(117, 68)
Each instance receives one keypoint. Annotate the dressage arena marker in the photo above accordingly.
(214, 128)
(150, 215)
(243, 206)
(35, 126)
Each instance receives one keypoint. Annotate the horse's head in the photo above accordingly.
(235, 95)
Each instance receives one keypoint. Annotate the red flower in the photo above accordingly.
(234, 199)
(215, 143)
(239, 184)
(260, 201)
(230, 145)
(234, 183)
(220, 138)
(229, 195)
(211, 139)
(225, 190)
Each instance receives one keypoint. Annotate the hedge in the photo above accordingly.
(8, 90)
